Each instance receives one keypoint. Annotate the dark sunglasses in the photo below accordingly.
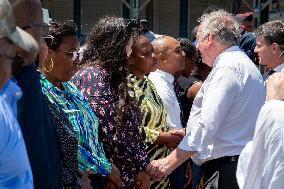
(49, 39)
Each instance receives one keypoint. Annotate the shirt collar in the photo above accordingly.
(165, 75)
(230, 49)
(279, 67)
(11, 90)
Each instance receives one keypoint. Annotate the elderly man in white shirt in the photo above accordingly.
(224, 112)
(261, 163)
(270, 46)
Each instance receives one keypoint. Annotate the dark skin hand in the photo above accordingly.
(113, 179)
(170, 138)
(85, 182)
(188, 175)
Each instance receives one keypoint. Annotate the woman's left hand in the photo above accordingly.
(85, 182)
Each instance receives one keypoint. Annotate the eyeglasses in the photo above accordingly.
(48, 40)
(282, 53)
(281, 48)
(45, 28)
(73, 54)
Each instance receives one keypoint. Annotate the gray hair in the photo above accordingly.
(222, 25)
(272, 32)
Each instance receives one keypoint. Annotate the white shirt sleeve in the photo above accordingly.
(210, 107)
(167, 94)
(172, 107)
(263, 165)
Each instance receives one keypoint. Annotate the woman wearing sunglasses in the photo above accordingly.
(76, 123)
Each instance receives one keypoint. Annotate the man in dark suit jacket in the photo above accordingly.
(270, 46)
(33, 115)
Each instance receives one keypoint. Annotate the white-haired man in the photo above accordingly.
(225, 110)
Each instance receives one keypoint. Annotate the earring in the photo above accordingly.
(45, 66)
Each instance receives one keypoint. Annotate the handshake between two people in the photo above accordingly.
(156, 169)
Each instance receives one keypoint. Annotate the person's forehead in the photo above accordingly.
(260, 40)
(199, 33)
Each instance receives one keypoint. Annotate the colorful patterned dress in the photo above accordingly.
(85, 125)
(154, 120)
(127, 150)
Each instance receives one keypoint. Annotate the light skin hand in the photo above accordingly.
(275, 86)
(158, 169)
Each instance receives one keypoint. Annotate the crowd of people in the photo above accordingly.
(133, 109)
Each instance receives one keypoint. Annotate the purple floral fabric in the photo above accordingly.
(125, 148)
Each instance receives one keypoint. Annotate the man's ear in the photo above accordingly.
(162, 57)
(275, 48)
(210, 39)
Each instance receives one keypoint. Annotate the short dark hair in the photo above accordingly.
(272, 32)
(59, 31)
(187, 46)
(244, 17)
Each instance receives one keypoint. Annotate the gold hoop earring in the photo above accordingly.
(51, 66)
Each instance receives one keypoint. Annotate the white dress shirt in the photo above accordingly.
(163, 83)
(224, 112)
(261, 163)
(279, 68)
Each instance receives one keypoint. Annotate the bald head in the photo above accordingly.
(163, 44)
(169, 53)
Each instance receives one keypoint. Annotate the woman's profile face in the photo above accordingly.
(65, 59)
(142, 59)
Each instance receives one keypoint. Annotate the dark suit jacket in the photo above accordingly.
(38, 131)
(267, 74)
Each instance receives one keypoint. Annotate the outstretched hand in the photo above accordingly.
(156, 169)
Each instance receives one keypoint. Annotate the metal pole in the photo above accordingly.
(134, 11)
(77, 16)
(259, 11)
